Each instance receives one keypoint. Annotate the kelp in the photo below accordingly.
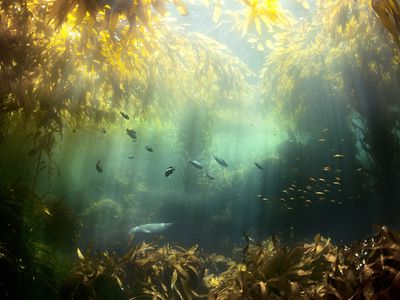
(324, 64)
(169, 272)
(96, 276)
(381, 267)
(317, 270)
(268, 269)
(57, 77)
(144, 271)
(34, 245)
(137, 13)
(388, 12)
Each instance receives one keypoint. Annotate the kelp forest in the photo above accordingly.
(200, 149)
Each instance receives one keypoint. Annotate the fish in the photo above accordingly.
(103, 130)
(131, 133)
(169, 171)
(99, 168)
(341, 156)
(247, 237)
(150, 228)
(258, 165)
(209, 176)
(220, 161)
(130, 156)
(196, 164)
(148, 148)
(126, 117)
(47, 211)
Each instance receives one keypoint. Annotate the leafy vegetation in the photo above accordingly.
(355, 80)
(37, 237)
(88, 73)
(72, 64)
(269, 270)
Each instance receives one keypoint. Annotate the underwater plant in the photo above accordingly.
(145, 271)
(170, 272)
(66, 66)
(332, 69)
(36, 237)
(317, 270)
(96, 276)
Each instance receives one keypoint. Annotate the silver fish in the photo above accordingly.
(221, 161)
(196, 164)
(150, 228)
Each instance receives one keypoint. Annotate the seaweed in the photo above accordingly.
(318, 270)
(269, 269)
(35, 241)
(145, 270)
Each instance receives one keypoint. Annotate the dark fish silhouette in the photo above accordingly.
(220, 161)
(99, 168)
(126, 117)
(169, 171)
(103, 130)
(258, 166)
(130, 156)
(209, 176)
(131, 133)
(148, 148)
(196, 164)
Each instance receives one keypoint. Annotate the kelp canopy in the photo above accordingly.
(72, 61)
(343, 49)
(329, 84)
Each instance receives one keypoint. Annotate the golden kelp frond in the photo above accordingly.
(338, 37)
(96, 274)
(389, 13)
(172, 271)
(107, 13)
(209, 75)
(376, 263)
(270, 270)
(81, 73)
(265, 12)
